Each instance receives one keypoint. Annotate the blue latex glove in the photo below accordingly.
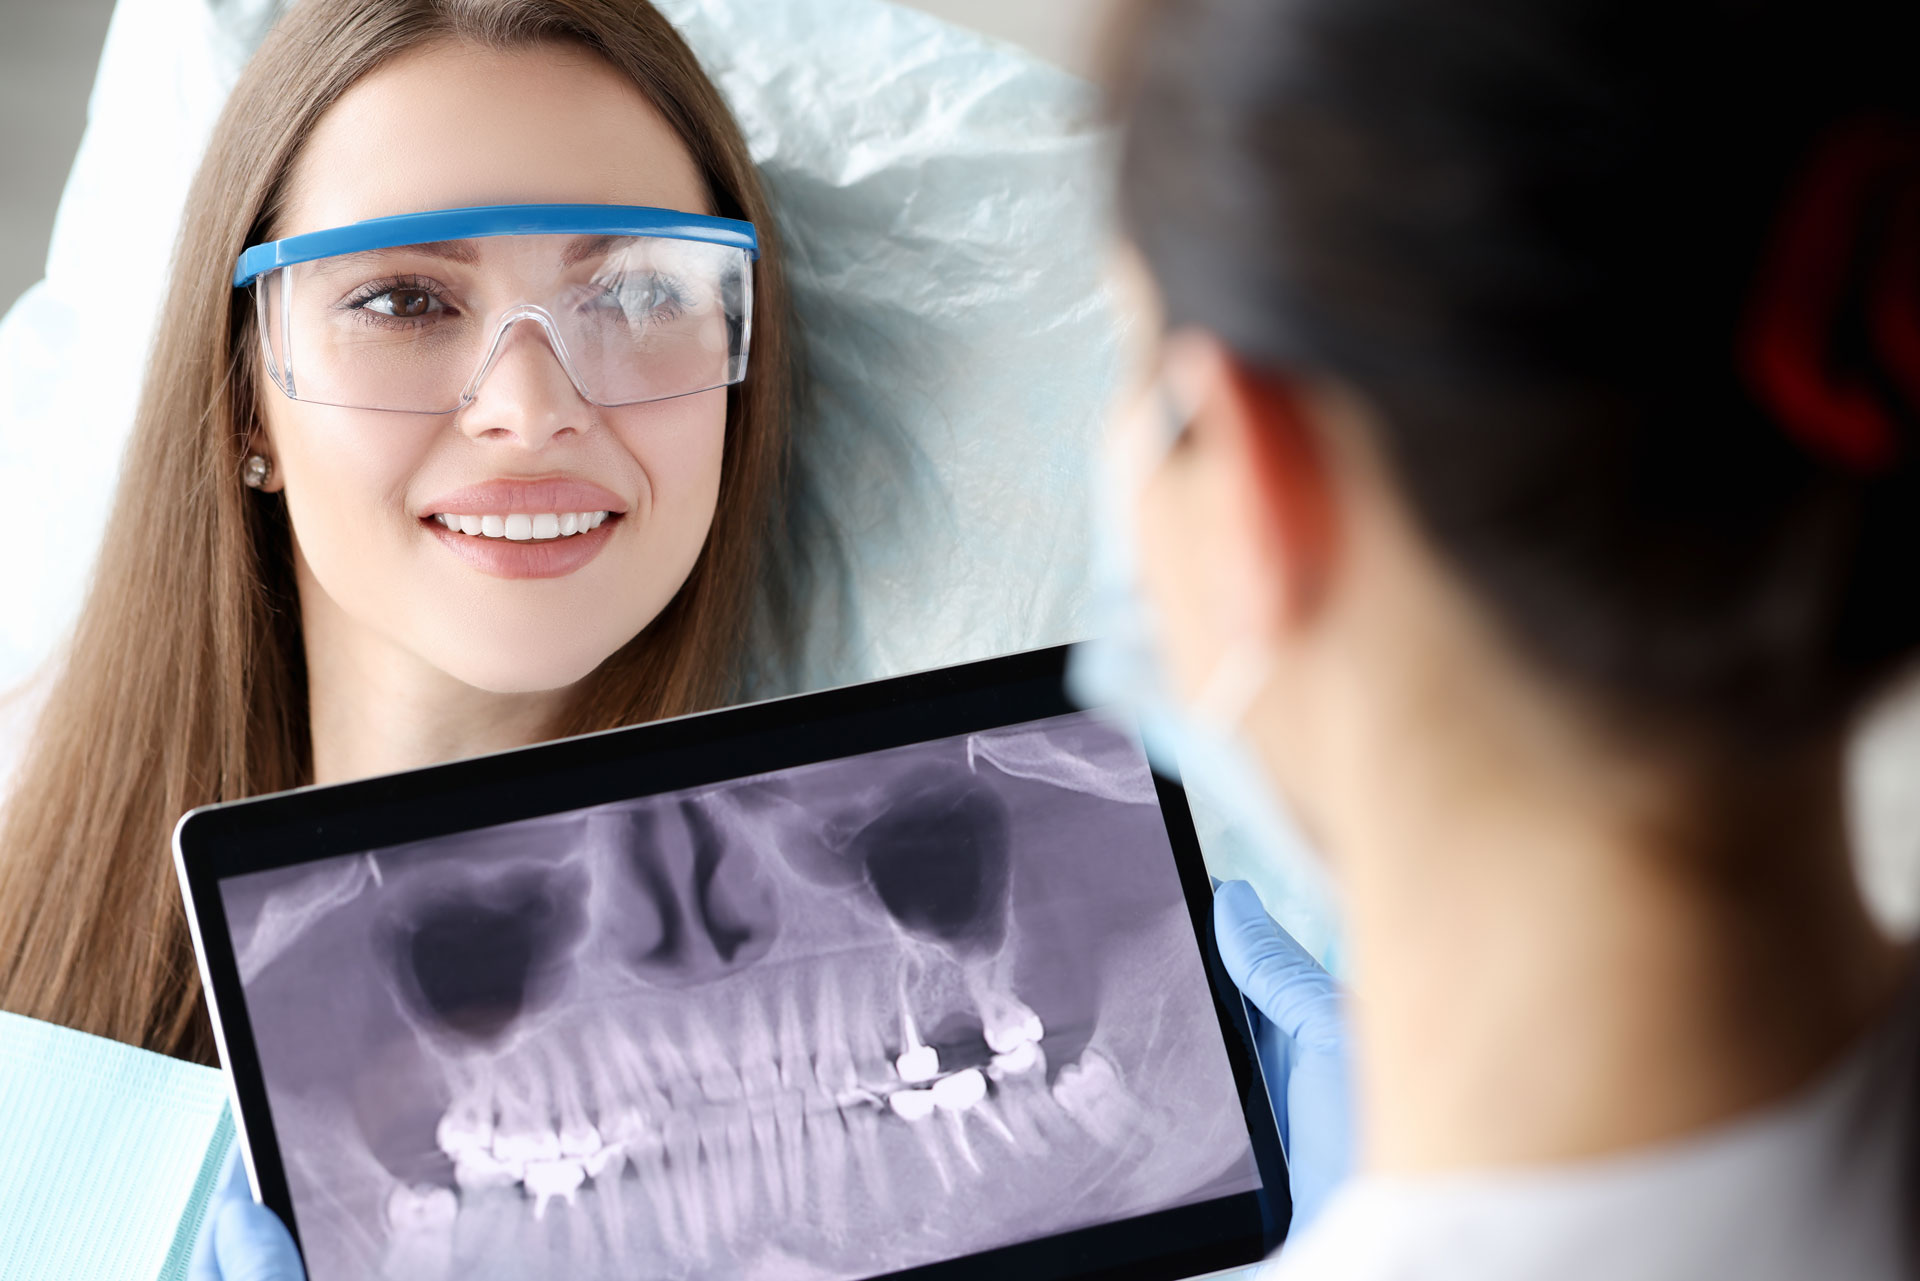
(1301, 1037)
(240, 1239)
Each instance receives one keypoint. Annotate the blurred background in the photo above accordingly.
(48, 50)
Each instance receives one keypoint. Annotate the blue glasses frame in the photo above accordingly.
(493, 220)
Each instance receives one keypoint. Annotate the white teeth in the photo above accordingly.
(626, 1128)
(1009, 1023)
(1092, 1093)
(912, 1105)
(766, 1144)
(522, 527)
(957, 1128)
(1021, 1058)
(682, 1141)
(727, 1114)
(960, 1091)
(549, 1179)
(921, 1063)
(611, 1157)
(729, 1160)
(422, 1208)
(789, 1129)
(524, 1148)
(823, 1136)
(579, 1140)
(421, 1241)
(478, 1169)
(465, 1128)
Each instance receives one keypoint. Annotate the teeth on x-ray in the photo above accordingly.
(850, 1019)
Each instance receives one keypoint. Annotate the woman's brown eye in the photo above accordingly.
(409, 302)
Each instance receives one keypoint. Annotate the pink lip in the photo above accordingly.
(505, 558)
(531, 497)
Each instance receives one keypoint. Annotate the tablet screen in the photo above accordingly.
(836, 1021)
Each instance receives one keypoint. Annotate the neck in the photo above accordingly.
(1557, 957)
(376, 708)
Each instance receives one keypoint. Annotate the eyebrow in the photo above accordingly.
(465, 253)
(460, 251)
(585, 247)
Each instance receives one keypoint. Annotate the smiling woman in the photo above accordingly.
(419, 494)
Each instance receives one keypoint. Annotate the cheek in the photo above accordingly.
(679, 446)
(381, 574)
(345, 481)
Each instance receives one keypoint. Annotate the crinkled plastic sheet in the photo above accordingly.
(942, 199)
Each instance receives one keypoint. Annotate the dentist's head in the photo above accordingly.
(402, 497)
(1532, 451)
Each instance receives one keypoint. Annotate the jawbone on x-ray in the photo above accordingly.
(832, 1022)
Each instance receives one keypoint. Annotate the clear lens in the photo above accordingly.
(418, 328)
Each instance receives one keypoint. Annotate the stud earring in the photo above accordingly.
(258, 467)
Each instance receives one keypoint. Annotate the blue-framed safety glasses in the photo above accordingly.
(410, 313)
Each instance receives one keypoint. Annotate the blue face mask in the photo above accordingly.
(1244, 828)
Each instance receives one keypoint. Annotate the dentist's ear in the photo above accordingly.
(1271, 476)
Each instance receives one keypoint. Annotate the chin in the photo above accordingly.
(532, 669)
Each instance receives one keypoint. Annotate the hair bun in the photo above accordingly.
(1831, 342)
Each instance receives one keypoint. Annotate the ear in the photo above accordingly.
(1263, 428)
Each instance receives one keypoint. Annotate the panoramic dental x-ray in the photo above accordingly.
(827, 1023)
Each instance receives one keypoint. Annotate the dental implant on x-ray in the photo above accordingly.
(804, 1017)
(939, 859)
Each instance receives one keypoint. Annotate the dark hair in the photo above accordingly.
(1530, 233)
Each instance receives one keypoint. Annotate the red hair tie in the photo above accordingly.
(1824, 256)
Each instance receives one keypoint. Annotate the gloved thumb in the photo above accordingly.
(253, 1245)
(1279, 976)
(243, 1240)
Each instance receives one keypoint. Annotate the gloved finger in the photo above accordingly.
(1279, 976)
(230, 1186)
(241, 1240)
(253, 1245)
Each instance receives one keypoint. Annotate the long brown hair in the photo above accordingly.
(185, 682)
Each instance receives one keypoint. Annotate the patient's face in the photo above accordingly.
(380, 579)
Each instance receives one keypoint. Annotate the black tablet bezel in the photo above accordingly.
(261, 833)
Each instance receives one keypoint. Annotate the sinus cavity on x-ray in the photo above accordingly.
(832, 1022)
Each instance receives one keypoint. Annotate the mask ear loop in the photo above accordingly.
(1174, 419)
(1241, 674)
(1231, 689)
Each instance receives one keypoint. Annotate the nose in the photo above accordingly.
(692, 905)
(523, 393)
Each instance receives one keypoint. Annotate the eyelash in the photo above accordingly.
(674, 295)
(357, 301)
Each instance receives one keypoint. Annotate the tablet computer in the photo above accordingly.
(907, 979)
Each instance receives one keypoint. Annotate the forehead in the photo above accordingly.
(452, 125)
